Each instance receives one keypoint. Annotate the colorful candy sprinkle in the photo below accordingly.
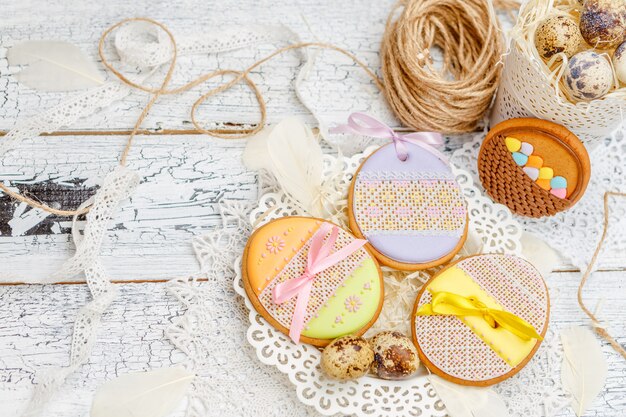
(526, 148)
(535, 161)
(558, 182)
(512, 144)
(543, 183)
(559, 192)
(533, 173)
(546, 173)
(532, 165)
(519, 158)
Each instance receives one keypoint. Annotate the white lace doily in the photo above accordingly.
(215, 323)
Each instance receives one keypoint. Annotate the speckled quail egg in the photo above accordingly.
(588, 76)
(619, 62)
(603, 23)
(395, 356)
(348, 357)
(557, 34)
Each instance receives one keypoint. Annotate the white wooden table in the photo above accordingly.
(185, 174)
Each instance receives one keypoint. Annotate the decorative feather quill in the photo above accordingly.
(543, 256)
(584, 368)
(53, 66)
(142, 394)
(462, 401)
(290, 152)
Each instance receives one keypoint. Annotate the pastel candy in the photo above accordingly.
(559, 192)
(533, 173)
(543, 183)
(546, 173)
(535, 161)
(526, 148)
(558, 182)
(512, 144)
(519, 158)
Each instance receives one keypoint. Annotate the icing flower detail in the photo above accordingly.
(373, 211)
(428, 184)
(338, 319)
(401, 184)
(459, 211)
(353, 303)
(367, 286)
(403, 212)
(372, 184)
(433, 211)
(417, 197)
(275, 244)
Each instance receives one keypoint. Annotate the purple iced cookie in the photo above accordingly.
(412, 212)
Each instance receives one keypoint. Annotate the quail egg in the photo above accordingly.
(395, 356)
(588, 76)
(603, 23)
(347, 357)
(557, 34)
(619, 62)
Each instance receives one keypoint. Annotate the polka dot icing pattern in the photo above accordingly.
(457, 347)
(344, 298)
(410, 211)
(532, 165)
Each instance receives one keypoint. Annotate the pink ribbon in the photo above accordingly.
(363, 124)
(319, 258)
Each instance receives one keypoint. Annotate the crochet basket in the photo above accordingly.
(527, 87)
(507, 183)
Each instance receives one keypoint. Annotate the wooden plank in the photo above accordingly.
(347, 24)
(36, 332)
(183, 179)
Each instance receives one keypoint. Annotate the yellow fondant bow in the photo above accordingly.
(449, 304)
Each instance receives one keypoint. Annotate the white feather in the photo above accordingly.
(584, 368)
(144, 394)
(542, 255)
(463, 401)
(53, 66)
(291, 153)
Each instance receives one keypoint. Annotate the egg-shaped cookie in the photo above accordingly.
(535, 167)
(480, 320)
(312, 264)
(412, 211)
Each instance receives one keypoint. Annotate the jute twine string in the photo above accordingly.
(599, 328)
(455, 97)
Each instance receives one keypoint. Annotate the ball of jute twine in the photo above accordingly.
(453, 97)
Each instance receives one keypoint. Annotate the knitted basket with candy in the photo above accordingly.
(534, 167)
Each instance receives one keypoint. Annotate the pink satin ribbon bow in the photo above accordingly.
(364, 124)
(319, 258)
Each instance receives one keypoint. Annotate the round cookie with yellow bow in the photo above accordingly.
(312, 280)
(481, 320)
